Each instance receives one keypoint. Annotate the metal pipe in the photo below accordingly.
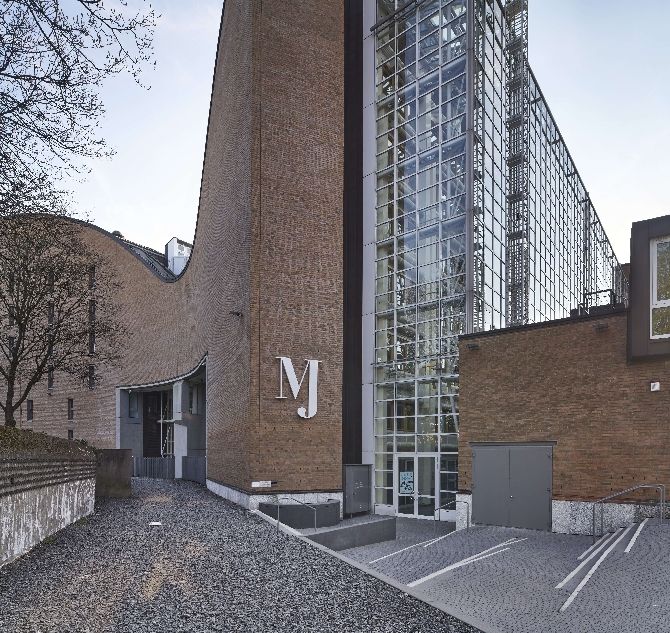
(660, 488)
(298, 500)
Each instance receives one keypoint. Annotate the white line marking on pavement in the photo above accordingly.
(439, 538)
(470, 559)
(404, 549)
(576, 570)
(455, 566)
(592, 571)
(598, 542)
(637, 533)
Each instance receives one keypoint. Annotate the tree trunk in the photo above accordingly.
(9, 417)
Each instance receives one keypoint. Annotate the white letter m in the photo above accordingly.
(286, 367)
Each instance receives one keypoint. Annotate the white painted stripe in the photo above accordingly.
(592, 571)
(507, 542)
(595, 552)
(598, 542)
(469, 559)
(439, 538)
(637, 533)
(455, 566)
(404, 549)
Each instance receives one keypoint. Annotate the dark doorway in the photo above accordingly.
(152, 430)
(512, 485)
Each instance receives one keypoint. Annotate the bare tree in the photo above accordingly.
(57, 308)
(54, 57)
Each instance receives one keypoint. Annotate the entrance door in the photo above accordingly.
(416, 478)
(151, 427)
(512, 485)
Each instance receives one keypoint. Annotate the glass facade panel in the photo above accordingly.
(482, 220)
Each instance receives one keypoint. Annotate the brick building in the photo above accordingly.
(380, 177)
(590, 393)
(199, 371)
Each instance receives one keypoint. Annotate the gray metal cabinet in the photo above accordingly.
(357, 488)
(512, 485)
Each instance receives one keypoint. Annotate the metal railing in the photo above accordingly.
(661, 506)
(153, 467)
(454, 502)
(294, 499)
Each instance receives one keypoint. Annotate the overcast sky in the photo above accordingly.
(601, 64)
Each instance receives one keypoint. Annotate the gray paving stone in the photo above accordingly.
(515, 590)
(211, 566)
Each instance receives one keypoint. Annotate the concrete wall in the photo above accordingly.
(38, 497)
(113, 473)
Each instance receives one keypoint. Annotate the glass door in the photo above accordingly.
(425, 488)
(405, 491)
(416, 485)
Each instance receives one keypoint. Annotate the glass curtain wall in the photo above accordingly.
(445, 171)
(420, 211)
(571, 260)
(489, 174)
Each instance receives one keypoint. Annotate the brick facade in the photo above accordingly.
(265, 276)
(568, 381)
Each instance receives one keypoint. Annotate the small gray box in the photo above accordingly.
(357, 488)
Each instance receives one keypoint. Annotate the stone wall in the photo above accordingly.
(38, 497)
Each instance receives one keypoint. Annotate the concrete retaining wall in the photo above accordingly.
(114, 472)
(40, 496)
(576, 517)
(357, 535)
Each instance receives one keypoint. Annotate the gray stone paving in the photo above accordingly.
(211, 566)
(515, 590)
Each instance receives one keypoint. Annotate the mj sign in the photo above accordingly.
(312, 368)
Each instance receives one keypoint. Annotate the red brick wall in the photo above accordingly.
(571, 383)
(268, 245)
(297, 263)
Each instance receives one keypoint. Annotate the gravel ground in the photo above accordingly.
(210, 566)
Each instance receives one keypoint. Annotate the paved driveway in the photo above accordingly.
(210, 566)
(524, 581)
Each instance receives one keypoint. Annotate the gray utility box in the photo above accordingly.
(357, 488)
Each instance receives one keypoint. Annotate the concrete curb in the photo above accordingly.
(463, 617)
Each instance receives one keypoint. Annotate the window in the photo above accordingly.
(70, 434)
(91, 327)
(29, 410)
(196, 399)
(132, 405)
(91, 277)
(660, 288)
(50, 379)
(91, 376)
(50, 314)
(70, 409)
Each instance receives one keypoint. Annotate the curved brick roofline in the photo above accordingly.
(164, 274)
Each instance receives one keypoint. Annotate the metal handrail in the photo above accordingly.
(661, 507)
(294, 499)
(444, 505)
